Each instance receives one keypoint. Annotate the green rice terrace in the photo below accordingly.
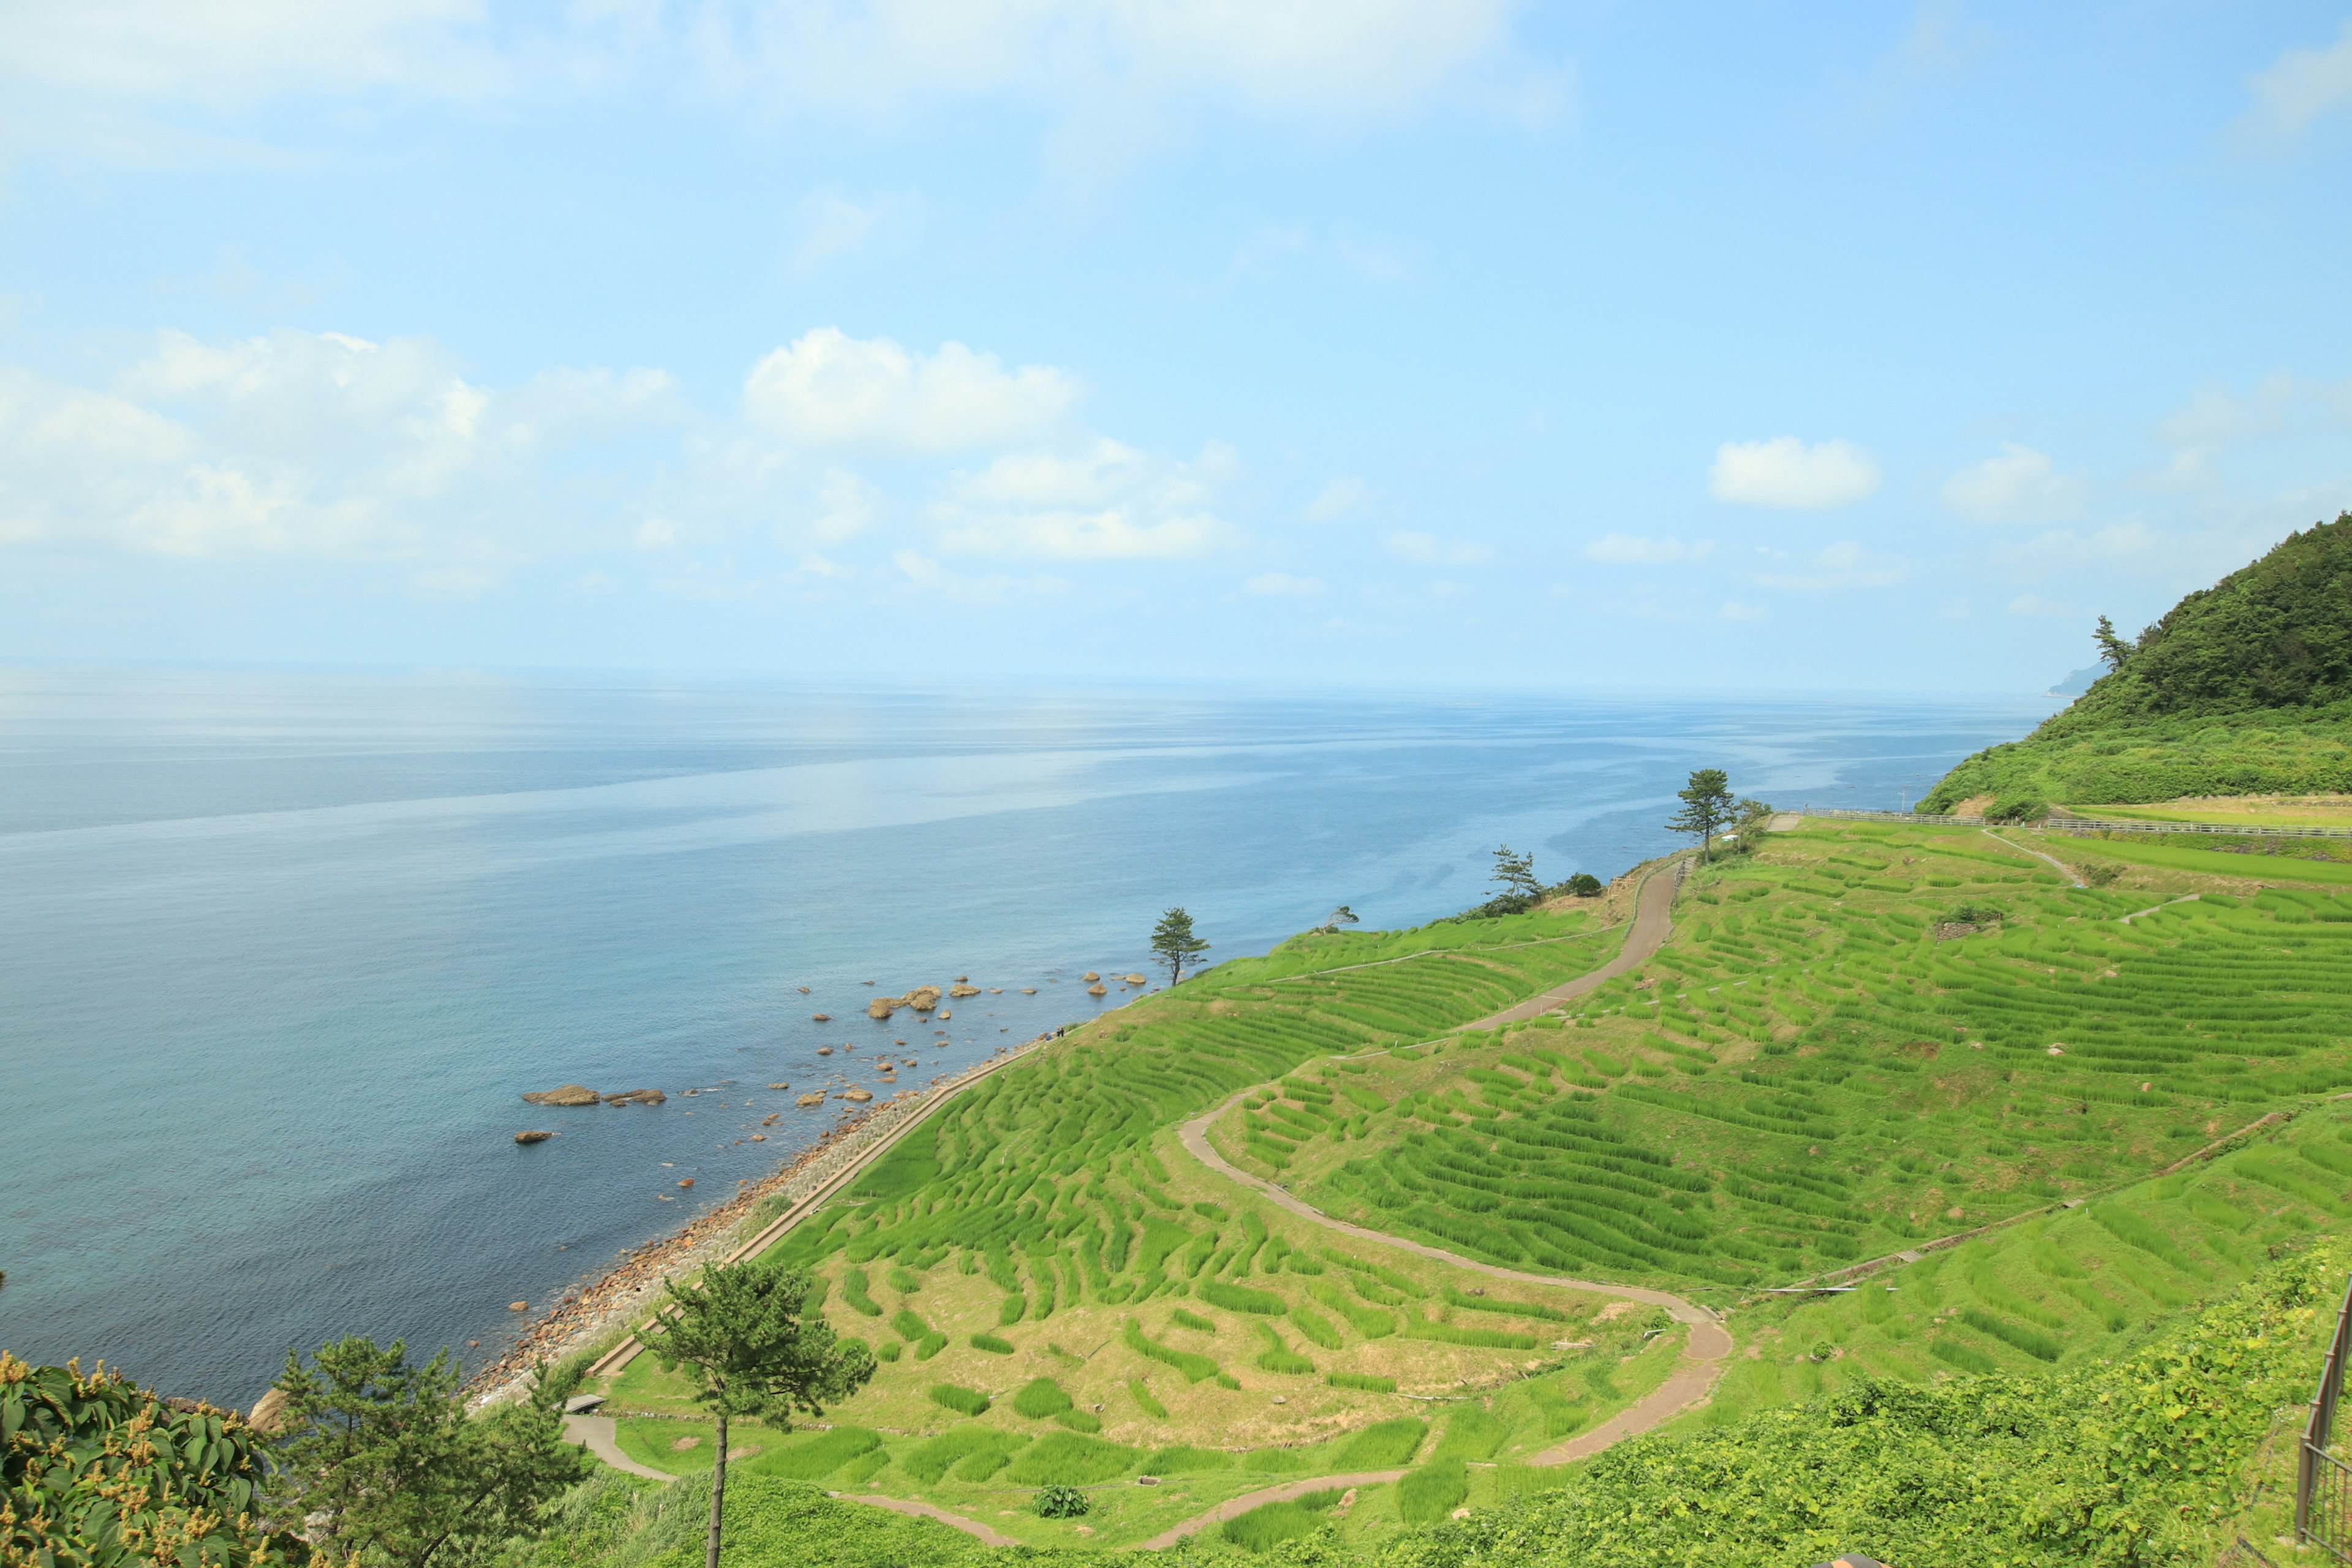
(1862, 1041)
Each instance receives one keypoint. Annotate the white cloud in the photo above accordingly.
(1733, 610)
(1786, 472)
(2299, 88)
(847, 506)
(1337, 499)
(2021, 485)
(1108, 502)
(828, 389)
(828, 227)
(1282, 585)
(305, 444)
(1633, 550)
(1845, 564)
(1429, 549)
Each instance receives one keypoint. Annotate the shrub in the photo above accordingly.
(930, 1345)
(1383, 1445)
(958, 1398)
(1241, 1299)
(852, 1290)
(1041, 1399)
(888, 1350)
(1011, 1310)
(1193, 1320)
(1433, 1491)
(1143, 1399)
(1362, 1380)
(992, 1344)
(904, 1281)
(910, 1325)
(1071, 1459)
(1061, 1503)
(1316, 1327)
(1279, 1357)
(1080, 1420)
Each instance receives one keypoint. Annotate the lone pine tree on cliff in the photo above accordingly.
(1174, 944)
(1708, 804)
(753, 1354)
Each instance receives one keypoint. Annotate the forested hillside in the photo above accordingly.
(2242, 688)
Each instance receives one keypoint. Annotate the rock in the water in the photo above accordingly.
(821, 1018)
(923, 998)
(825, 1050)
(1097, 989)
(638, 1097)
(779, 1086)
(758, 1138)
(960, 989)
(1090, 975)
(533, 1137)
(804, 990)
(518, 1306)
(804, 1101)
(1138, 980)
(859, 1095)
(686, 1182)
(569, 1094)
(880, 1006)
(1028, 991)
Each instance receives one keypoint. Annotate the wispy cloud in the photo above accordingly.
(1786, 472)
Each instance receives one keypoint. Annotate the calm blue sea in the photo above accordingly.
(279, 951)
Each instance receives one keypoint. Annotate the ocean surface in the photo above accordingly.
(278, 952)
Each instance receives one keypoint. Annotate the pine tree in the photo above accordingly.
(1174, 944)
(1708, 804)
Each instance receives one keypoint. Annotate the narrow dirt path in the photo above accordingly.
(1654, 921)
(1702, 1352)
(2063, 869)
(602, 1435)
(970, 1527)
(1233, 1508)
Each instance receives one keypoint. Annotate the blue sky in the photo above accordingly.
(1835, 346)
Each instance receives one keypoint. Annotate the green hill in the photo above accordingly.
(2243, 688)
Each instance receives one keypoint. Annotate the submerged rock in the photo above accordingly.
(569, 1094)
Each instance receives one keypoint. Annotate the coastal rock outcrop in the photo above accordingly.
(879, 1008)
(568, 1094)
(821, 1018)
(960, 989)
(860, 1095)
(1138, 980)
(1097, 989)
(1090, 975)
(638, 1097)
(806, 1100)
(533, 1137)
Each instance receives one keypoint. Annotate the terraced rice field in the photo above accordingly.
(1823, 1066)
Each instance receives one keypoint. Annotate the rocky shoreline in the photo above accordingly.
(624, 1294)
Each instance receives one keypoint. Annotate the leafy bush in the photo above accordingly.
(956, 1397)
(1061, 1503)
(1434, 1490)
(992, 1344)
(1071, 1459)
(1041, 1399)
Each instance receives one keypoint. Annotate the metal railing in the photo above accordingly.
(2069, 824)
(2322, 1483)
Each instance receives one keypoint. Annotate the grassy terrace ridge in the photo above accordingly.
(1861, 1039)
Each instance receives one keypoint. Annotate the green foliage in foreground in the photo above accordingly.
(96, 1470)
(2242, 688)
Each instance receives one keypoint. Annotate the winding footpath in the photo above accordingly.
(1702, 1352)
